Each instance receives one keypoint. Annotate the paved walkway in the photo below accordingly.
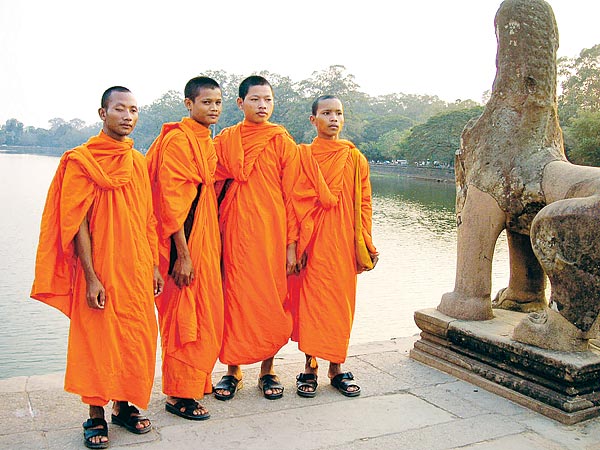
(404, 405)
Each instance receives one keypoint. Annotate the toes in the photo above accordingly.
(200, 411)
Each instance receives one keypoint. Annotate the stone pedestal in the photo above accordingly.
(564, 386)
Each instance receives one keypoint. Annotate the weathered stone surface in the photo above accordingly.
(565, 240)
(512, 174)
(504, 152)
(562, 385)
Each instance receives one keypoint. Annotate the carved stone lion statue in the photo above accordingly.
(512, 174)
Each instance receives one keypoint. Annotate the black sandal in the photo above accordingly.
(339, 382)
(89, 432)
(227, 383)
(190, 406)
(128, 418)
(306, 380)
(270, 382)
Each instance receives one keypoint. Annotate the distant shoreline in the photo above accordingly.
(441, 175)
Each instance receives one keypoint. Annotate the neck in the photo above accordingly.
(116, 137)
(328, 138)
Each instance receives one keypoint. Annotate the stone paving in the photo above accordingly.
(404, 405)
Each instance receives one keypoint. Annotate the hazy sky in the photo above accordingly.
(57, 57)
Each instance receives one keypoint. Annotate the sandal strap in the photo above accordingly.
(94, 422)
(131, 415)
(227, 382)
(189, 404)
(269, 381)
(307, 378)
(340, 377)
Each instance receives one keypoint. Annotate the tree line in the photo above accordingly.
(417, 128)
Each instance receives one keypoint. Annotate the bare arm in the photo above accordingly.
(183, 271)
(95, 292)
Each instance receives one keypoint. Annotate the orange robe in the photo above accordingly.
(190, 318)
(323, 295)
(257, 223)
(111, 352)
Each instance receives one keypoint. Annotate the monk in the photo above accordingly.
(259, 233)
(182, 163)
(97, 263)
(323, 294)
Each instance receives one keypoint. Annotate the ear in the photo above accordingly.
(188, 103)
(240, 102)
(102, 114)
(312, 120)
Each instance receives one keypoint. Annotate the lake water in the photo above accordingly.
(413, 228)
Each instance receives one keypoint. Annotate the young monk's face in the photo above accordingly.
(329, 119)
(120, 116)
(258, 104)
(206, 107)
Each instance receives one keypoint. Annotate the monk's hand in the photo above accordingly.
(95, 293)
(183, 272)
(302, 262)
(374, 258)
(291, 260)
(158, 282)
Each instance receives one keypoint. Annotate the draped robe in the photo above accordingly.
(322, 297)
(111, 352)
(257, 223)
(182, 160)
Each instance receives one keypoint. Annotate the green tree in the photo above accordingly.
(291, 108)
(583, 134)
(580, 84)
(168, 108)
(415, 107)
(388, 144)
(438, 138)
(11, 132)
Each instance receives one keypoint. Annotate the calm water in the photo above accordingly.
(413, 227)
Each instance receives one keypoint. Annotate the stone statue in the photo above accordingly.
(510, 166)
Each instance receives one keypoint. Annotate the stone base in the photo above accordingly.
(564, 386)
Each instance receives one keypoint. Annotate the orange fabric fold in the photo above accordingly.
(191, 318)
(111, 352)
(257, 222)
(322, 297)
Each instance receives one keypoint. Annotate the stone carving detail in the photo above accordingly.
(512, 174)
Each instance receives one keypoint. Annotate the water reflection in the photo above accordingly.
(413, 227)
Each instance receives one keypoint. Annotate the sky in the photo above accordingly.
(57, 57)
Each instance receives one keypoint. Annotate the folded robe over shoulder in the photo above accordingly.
(257, 223)
(323, 295)
(111, 352)
(191, 318)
